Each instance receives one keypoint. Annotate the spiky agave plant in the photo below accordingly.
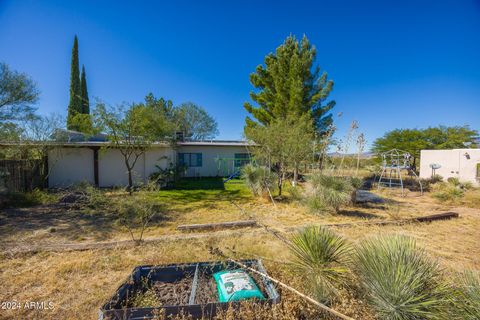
(468, 299)
(321, 256)
(401, 282)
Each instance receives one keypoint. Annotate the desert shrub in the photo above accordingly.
(86, 196)
(400, 280)
(448, 193)
(356, 183)
(426, 184)
(165, 177)
(462, 185)
(429, 182)
(321, 257)
(435, 179)
(329, 192)
(452, 190)
(468, 300)
(27, 199)
(454, 181)
(295, 193)
(135, 213)
(259, 179)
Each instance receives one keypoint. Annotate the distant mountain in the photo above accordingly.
(365, 155)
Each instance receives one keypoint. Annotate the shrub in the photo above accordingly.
(451, 191)
(165, 177)
(321, 256)
(356, 183)
(400, 280)
(134, 214)
(85, 195)
(329, 192)
(468, 300)
(259, 179)
(462, 185)
(294, 192)
(27, 199)
(454, 181)
(435, 179)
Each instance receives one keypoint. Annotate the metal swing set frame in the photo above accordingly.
(394, 162)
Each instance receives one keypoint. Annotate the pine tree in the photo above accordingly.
(75, 104)
(84, 93)
(290, 84)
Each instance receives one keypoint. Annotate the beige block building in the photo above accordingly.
(463, 164)
(102, 165)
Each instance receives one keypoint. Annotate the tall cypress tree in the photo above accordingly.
(84, 92)
(75, 104)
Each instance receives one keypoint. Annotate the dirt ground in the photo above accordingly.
(77, 283)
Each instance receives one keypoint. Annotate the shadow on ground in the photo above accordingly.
(359, 214)
(61, 221)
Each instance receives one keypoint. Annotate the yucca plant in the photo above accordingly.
(468, 298)
(251, 178)
(258, 178)
(330, 192)
(400, 281)
(321, 256)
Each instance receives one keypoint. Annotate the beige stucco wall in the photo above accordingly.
(68, 166)
(112, 171)
(209, 166)
(459, 163)
(73, 165)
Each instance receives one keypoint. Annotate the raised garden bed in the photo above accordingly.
(178, 289)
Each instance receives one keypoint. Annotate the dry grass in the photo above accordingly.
(78, 283)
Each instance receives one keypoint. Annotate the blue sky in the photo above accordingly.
(395, 64)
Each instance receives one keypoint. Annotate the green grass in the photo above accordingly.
(189, 193)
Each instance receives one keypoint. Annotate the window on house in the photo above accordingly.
(190, 159)
(241, 159)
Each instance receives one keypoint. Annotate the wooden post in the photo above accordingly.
(95, 165)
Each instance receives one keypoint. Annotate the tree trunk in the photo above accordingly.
(295, 176)
(320, 162)
(281, 177)
(279, 184)
(130, 181)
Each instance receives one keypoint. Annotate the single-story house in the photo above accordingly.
(463, 164)
(101, 164)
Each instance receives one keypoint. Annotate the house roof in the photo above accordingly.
(213, 143)
(70, 138)
(222, 143)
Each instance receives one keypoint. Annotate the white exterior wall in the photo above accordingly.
(68, 166)
(458, 163)
(112, 171)
(209, 166)
(162, 157)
